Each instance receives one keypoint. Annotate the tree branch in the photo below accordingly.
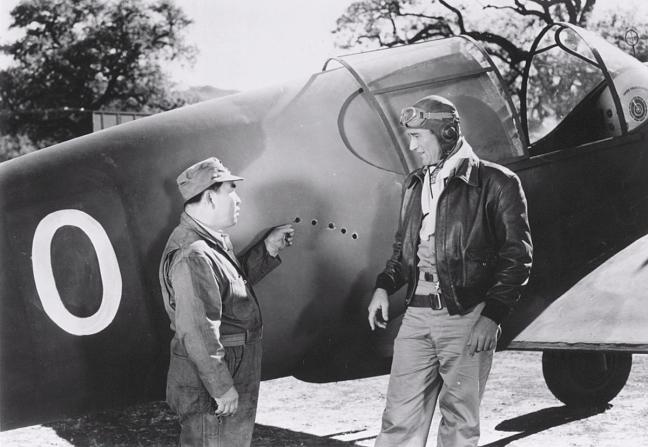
(522, 10)
(421, 16)
(457, 12)
(516, 54)
(546, 8)
(432, 30)
(374, 37)
(571, 11)
(586, 12)
(393, 24)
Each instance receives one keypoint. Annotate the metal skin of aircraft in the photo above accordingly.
(84, 222)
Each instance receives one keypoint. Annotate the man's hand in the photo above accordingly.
(227, 403)
(279, 238)
(483, 336)
(379, 303)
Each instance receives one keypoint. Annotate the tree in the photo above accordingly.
(505, 27)
(81, 55)
(12, 146)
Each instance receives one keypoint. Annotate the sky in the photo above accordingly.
(250, 43)
(246, 44)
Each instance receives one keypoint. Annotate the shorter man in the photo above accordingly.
(215, 365)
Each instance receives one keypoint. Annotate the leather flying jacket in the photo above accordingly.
(482, 239)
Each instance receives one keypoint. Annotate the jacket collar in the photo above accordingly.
(467, 170)
(195, 226)
(415, 176)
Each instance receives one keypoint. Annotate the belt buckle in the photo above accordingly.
(435, 301)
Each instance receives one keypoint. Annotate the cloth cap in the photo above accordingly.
(200, 176)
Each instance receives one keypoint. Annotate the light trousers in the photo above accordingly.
(431, 363)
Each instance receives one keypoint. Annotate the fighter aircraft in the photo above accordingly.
(83, 223)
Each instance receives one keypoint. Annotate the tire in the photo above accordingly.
(585, 379)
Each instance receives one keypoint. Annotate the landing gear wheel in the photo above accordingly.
(585, 379)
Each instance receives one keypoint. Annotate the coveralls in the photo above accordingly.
(217, 326)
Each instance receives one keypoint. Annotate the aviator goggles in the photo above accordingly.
(415, 117)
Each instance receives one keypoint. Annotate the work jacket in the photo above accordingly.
(482, 239)
(207, 293)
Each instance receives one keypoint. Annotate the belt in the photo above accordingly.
(249, 336)
(431, 300)
(427, 276)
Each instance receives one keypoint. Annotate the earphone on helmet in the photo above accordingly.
(449, 133)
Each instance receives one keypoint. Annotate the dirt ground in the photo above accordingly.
(518, 411)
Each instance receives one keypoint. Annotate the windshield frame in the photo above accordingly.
(371, 93)
(599, 63)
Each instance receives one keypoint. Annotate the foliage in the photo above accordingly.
(12, 146)
(505, 27)
(76, 56)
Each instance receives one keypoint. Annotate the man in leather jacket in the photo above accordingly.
(463, 248)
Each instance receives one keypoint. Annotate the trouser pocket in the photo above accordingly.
(185, 393)
(234, 358)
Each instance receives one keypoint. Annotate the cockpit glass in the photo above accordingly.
(454, 68)
(630, 78)
(421, 62)
(562, 73)
(568, 99)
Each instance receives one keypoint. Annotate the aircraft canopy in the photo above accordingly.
(579, 88)
(456, 68)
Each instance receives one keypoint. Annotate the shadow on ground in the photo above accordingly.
(532, 423)
(154, 424)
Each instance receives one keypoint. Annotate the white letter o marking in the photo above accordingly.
(44, 276)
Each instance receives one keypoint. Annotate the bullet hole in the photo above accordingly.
(354, 236)
(609, 113)
(297, 219)
(331, 226)
(611, 126)
(343, 230)
(314, 222)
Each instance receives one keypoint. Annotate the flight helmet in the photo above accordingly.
(438, 115)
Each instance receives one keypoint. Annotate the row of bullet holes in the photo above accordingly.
(331, 226)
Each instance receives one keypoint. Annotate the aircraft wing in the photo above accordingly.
(606, 310)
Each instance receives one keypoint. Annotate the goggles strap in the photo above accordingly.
(414, 117)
